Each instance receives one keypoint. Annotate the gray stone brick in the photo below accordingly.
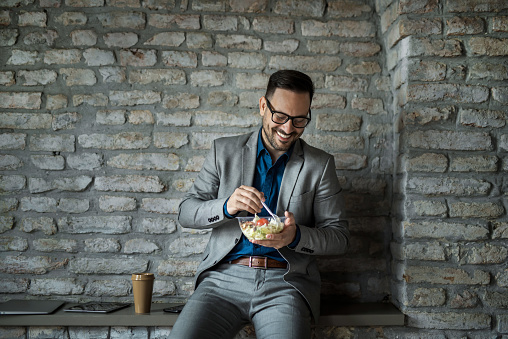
(343, 29)
(73, 205)
(174, 267)
(439, 229)
(82, 37)
(306, 63)
(500, 94)
(496, 299)
(115, 203)
(160, 225)
(220, 23)
(24, 100)
(222, 98)
(13, 244)
(96, 332)
(102, 245)
(30, 265)
(10, 162)
(166, 21)
(140, 161)
(216, 118)
(15, 285)
(10, 141)
(7, 205)
(73, 184)
(488, 46)
(448, 186)
(285, 46)
(203, 141)
(467, 299)
(19, 57)
(120, 39)
(342, 83)
(429, 208)
(124, 265)
(304, 8)
(172, 39)
(238, 41)
(499, 230)
(25, 120)
(119, 332)
(428, 162)
(40, 332)
(131, 20)
(37, 77)
(428, 297)
(95, 224)
(55, 245)
(185, 247)
(349, 161)
(140, 246)
(181, 100)
(129, 183)
(96, 99)
(457, 321)
(170, 139)
(12, 183)
(208, 78)
(38, 204)
(488, 71)
(442, 275)
(487, 210)
(333, 143)
(125, 140)
(48, 162)
(482, 118)
(174, 119)
(183, 59)
(61, 286)
(347, 9)
(479, 163)
(450, 140)
(113, 288)
(55, 102)
(160, 205)
(52, 143)
(112, 74)
(138, 117)
(45, 224)
(199, 41)
(482, 254)
(273, 25)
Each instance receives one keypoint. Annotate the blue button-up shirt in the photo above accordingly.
(267, 179)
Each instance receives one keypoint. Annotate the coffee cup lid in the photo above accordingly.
(142, 276)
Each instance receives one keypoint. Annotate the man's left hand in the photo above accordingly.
(284, 238)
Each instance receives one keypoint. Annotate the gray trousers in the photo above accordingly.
(232, 296)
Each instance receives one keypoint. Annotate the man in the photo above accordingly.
(273, 284)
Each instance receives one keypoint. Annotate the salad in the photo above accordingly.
(256, 228)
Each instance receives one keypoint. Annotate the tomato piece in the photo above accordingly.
(262, 222)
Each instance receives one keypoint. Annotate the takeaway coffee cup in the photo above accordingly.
(142, 286)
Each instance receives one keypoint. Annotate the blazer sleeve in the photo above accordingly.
(328, 234)
(201, 208)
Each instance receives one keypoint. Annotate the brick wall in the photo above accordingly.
(108, 107)
(449, 72)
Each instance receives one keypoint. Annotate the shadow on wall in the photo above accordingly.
(363, 274)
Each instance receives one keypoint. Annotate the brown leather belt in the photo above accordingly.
(259, 262)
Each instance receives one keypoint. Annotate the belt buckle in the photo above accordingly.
(263, 258)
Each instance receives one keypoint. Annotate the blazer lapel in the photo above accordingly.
(249, 160)
(291, 173)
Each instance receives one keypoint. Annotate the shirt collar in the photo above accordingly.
(261, 147)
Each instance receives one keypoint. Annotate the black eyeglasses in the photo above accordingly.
(282, 118)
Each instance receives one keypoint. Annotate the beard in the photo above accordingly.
(274, 141)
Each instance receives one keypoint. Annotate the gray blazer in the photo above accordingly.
(309, 189)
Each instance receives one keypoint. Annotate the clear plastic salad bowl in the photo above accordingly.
(256, 228)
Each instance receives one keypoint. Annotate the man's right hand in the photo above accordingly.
(245, 198)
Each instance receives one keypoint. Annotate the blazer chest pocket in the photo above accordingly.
(301, 206)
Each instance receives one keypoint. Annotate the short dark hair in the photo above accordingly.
(291, 80)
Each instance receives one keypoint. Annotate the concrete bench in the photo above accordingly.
(363, 314)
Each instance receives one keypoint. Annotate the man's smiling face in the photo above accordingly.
(278, 138)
